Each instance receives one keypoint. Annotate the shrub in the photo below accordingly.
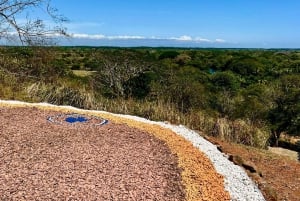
(61, 94)
(240, 131)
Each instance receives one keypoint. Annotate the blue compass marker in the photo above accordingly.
(76, 119)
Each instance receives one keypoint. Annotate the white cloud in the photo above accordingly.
(155, 38)
(199, 39)
(125, 37)
(88, 36)
(189, 38)
(101, 36)
(184, 38)
(218, 40)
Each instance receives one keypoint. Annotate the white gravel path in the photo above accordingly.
(237, 182)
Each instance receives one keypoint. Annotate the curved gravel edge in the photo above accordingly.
(236, 180)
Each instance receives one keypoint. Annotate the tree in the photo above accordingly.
(225, 81)
(285, 116)
(117, 69)
(33, 31)
(168, 55)
(249, 68)
(224, 87)
(185, 90)
(254, 103)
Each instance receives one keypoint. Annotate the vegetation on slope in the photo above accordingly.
(243, 96)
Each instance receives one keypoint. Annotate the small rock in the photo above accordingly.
(237, 160)
(220, 148)
(250, 166)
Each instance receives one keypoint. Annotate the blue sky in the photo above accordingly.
(200, 23)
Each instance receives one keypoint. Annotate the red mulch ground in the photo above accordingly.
(40, 160)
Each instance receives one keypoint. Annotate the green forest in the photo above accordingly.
(246, 96)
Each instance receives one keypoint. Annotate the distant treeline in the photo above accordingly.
(248, 96)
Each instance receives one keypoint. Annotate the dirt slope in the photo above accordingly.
(279, 177)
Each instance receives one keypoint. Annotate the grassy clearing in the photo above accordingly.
(293, 155)
(83, 73)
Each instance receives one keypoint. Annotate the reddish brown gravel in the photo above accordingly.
(40, 160)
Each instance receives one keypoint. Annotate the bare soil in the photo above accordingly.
(40, 160)
(277, 176)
